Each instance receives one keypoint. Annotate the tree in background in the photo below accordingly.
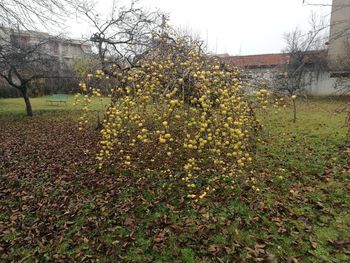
(122, 37)
(305, 52)
(22, 62)
(33, 14)
(25, 56)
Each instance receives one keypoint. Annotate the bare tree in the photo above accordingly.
(25, 54)
(23, 62)
(306, 54)
(124, 36)
(342, 22)
(30, 14)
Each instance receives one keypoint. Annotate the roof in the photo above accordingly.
(267, 60)
(262, 60)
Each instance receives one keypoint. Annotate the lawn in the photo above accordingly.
(293, 206)
(41, 105)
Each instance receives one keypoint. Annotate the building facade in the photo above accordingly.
(65, 49)
(62, 52)
(339, 39)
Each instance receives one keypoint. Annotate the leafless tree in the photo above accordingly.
(31, 14)
(23, 62)
(24, 52)
(124, 36)
(339, 49)
(337, 6)
(306, 53)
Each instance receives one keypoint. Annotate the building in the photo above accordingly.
(331, 79)
(65, 49)
(339, 39)
(264, 66)
(62, 52)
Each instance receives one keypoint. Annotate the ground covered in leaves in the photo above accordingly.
(294, 206)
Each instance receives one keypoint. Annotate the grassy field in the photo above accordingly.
(41, 105)
(293, 206)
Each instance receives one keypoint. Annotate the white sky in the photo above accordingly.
(238, 27)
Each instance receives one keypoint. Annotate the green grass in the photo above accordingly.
(301, 210)
(40, 105)
(309, 143)
(295, 158)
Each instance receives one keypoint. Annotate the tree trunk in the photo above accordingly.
(294, 111)
(27, 101)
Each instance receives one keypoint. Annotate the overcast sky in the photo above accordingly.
(238, 27)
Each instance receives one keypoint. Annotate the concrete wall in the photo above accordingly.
(339, 39)
(318, 83)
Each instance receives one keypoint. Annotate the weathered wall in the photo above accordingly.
(319, 83)
(339, 34)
